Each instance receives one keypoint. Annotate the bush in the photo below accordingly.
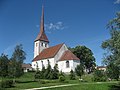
(6, 84)
(42, 82)
(38, 75)
(61, 78)
(72, 75)
(99, 76)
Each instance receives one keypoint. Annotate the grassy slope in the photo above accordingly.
(85, 87)
(27, 81)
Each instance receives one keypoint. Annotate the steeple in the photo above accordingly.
(41, 42)
(42, 36)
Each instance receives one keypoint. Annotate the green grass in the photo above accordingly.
(89, 86)
(27, 82)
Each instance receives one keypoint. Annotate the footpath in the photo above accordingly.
(52, 87)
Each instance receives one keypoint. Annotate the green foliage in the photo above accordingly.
(99, 75)
(6, 84)
(79, 70)
(61, 73)
(4, 61)
(55, 72)
(42, 82)
(48, 72)
(72, 75)
(18, 54)
(112, 45)
(38, 75)
(16, 61)
(113, 71)
(86, 57)
(61, 78)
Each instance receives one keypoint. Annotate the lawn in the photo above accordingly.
(27, 82)
(89, 86)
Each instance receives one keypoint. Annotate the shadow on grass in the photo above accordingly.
(25, 81)
(114, 87)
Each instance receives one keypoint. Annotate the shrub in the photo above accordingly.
(99, 75)
(61, 78)
(48, 73)
(79, 70)
(72, 75)
(55, 73)
(6, 84)
(42, 82)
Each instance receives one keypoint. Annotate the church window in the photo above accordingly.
(42, 64)
(42, 44)
(45, 45)
(36, 44)
(48, 61)
(36, 64)
(67, 64)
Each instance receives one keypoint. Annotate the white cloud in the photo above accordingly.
(54, 26)
(37, 26)
(117, 2)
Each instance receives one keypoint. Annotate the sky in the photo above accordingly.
(73, 22)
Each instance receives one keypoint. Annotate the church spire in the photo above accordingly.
(42, 36)
(42, 21)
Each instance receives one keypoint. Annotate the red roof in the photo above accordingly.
(48, 53)
(68, 55)
(42, 36)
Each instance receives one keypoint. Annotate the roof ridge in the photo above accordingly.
(48, 52)
(53, 46)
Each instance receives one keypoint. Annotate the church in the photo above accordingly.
(58, 54)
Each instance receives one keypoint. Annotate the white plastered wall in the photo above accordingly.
(72, 65)
(38, 47)
(60, 53)
(45, 63)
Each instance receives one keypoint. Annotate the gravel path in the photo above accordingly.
(52, 87)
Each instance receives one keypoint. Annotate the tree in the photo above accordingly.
(79, 70)
(47, 74)
(16, 61)
(112, 46)
(43, 72)
(99, 75)
(86, 57)
(55, 73)
(38, 75)
(4, 65)
(113, 71)
(72, 75)
(61, 77)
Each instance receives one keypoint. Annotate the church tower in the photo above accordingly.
(41, 42)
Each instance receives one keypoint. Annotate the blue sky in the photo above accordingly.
(74, 22)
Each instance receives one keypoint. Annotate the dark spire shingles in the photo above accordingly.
(42, 36)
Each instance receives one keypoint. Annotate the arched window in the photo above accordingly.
(36, 44)
(67, 64)
(45, 45)
(36, 64)
(42, 64)
(48, 61)
(41, 44)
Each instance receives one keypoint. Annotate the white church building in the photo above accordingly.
(58, 54)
